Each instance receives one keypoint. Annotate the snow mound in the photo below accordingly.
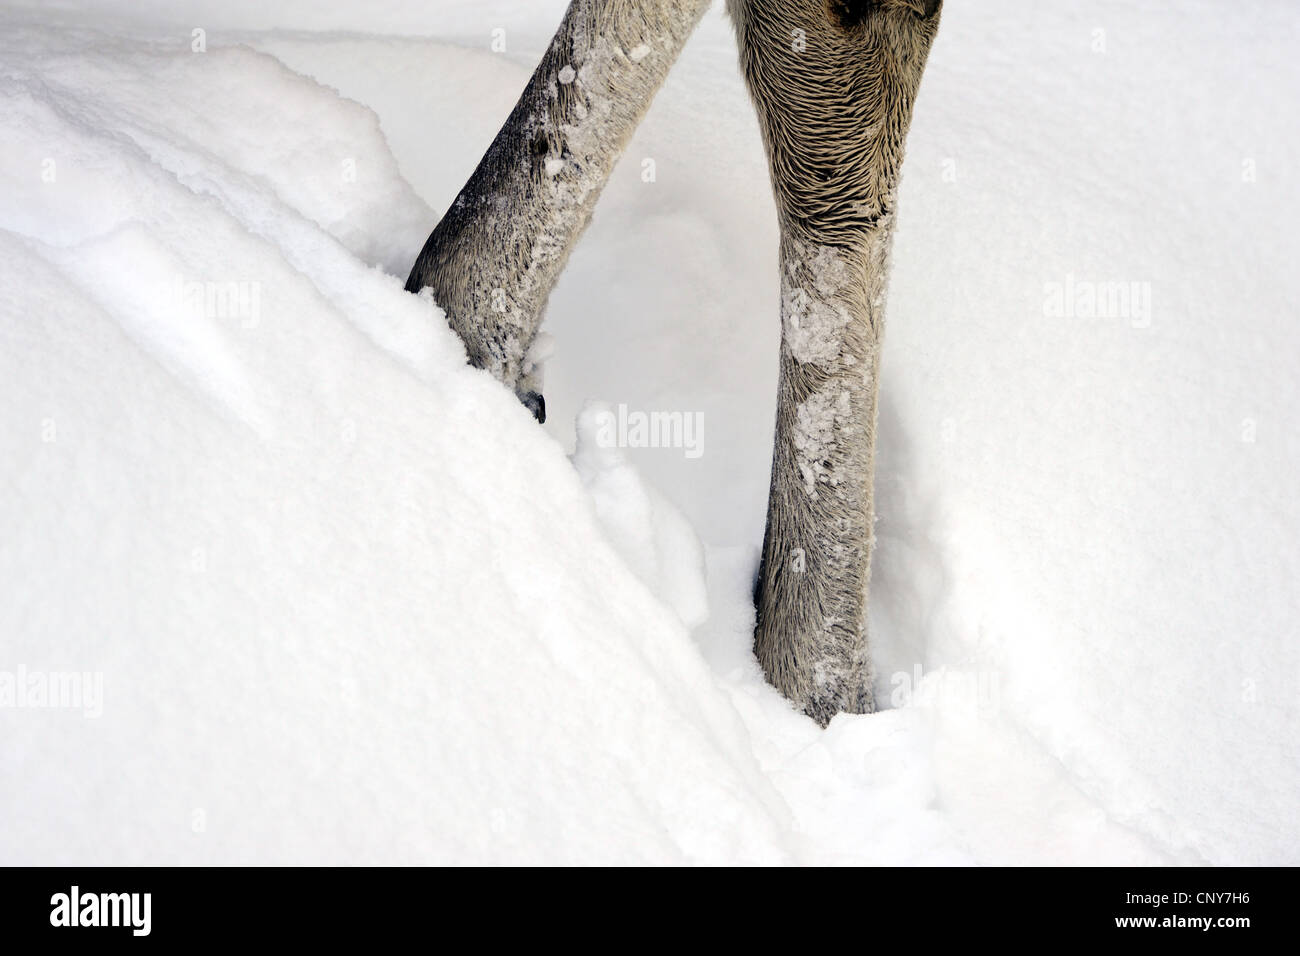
(346, 601)
(653, 537)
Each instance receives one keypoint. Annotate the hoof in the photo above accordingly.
(535, 403)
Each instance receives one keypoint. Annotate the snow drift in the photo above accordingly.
(226, 506)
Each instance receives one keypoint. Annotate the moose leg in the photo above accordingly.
(833, 82)
(493, 258)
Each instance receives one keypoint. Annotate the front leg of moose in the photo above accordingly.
(493, 258)
(833, 82)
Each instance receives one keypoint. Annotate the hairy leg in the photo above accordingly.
(493, 258)
(833, 82)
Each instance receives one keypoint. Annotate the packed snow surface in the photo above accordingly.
(285, 581)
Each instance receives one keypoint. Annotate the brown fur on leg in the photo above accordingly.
(493, 259)
(833, 82)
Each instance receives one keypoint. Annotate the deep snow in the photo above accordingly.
(349, 604)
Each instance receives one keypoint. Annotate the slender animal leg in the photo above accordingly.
(833, 82)
(493, 258)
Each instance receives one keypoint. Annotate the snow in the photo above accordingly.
(813, 327)
(814, 429)
(348, 603)
(658, 544)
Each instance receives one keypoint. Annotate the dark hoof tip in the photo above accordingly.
(535, 403)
